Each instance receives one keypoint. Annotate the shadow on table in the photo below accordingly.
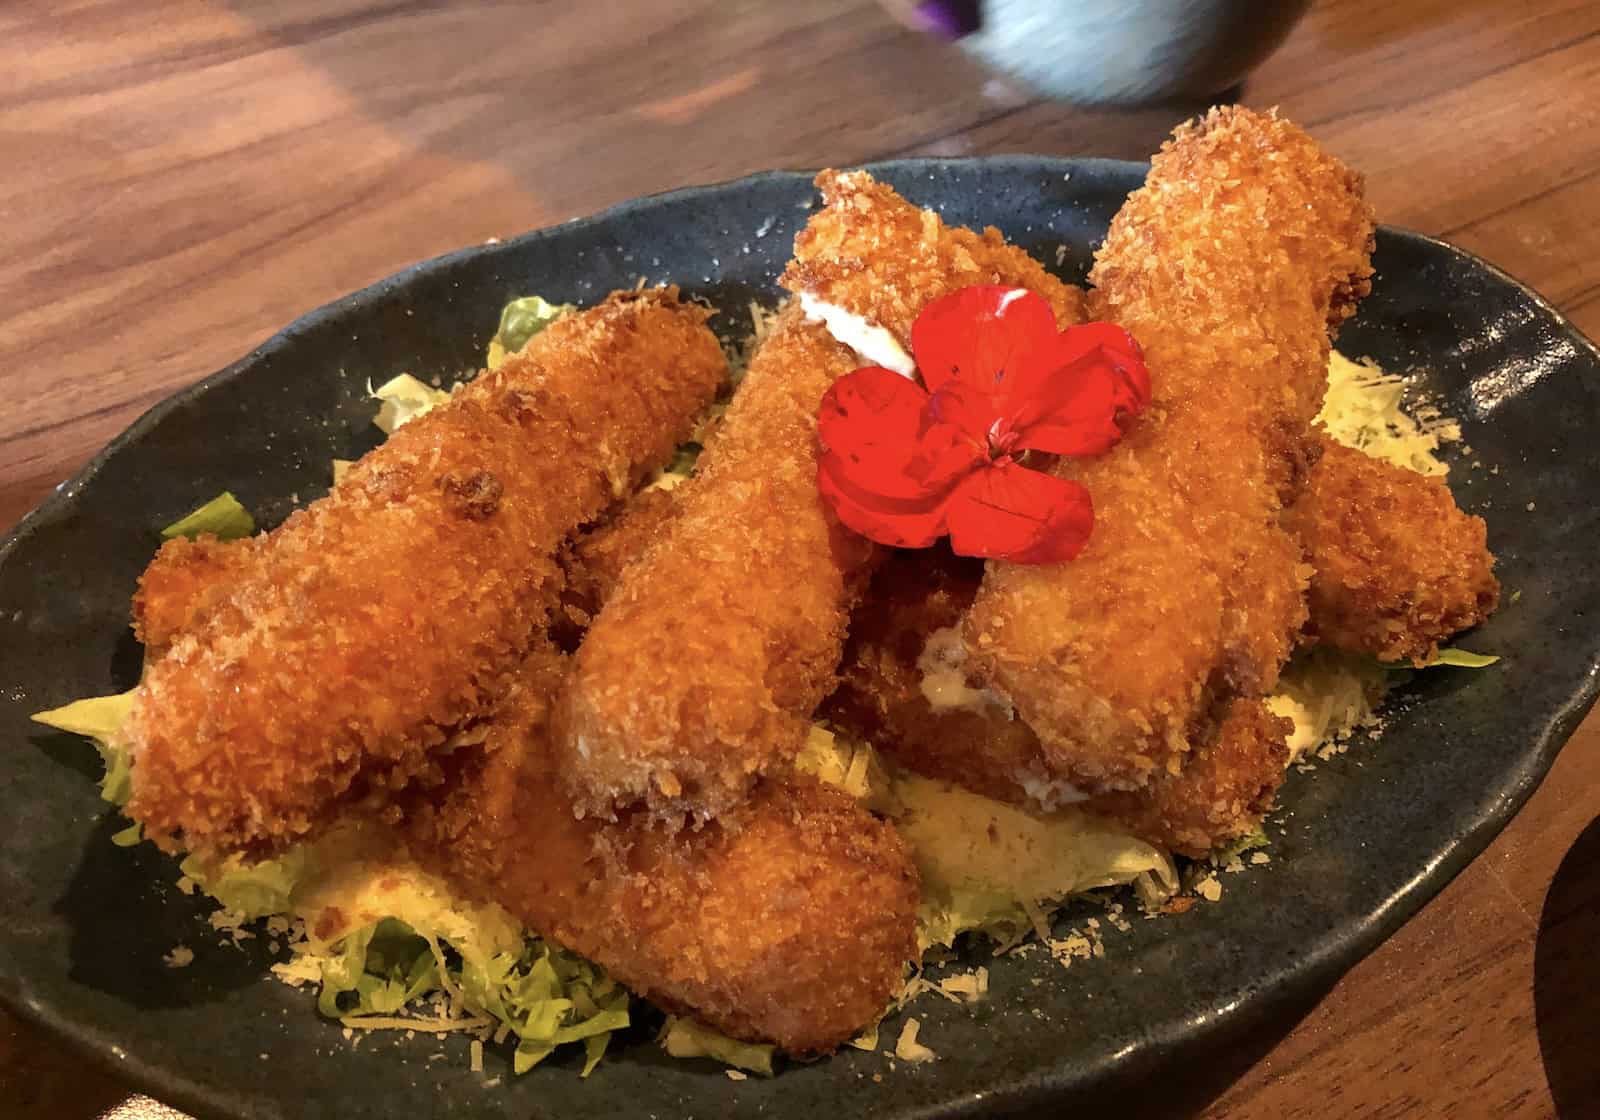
(1567, 978)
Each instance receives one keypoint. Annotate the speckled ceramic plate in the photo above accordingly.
(1362, 843)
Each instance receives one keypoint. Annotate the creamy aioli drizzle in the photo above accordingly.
(871, 342)
(944, 678)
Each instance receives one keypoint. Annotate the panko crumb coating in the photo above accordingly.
(1223, 791)
(789, 920)
(1399, 567)
(593, 561)
(368, 627)
(702, 670)
(1246, 244)
(874, 254)
(184, 582)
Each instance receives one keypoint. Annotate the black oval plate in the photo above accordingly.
(1366, 840)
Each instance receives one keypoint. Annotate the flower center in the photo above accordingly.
(1002, 438)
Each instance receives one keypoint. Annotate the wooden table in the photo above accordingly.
(181, 179)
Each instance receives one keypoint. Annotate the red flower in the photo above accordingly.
(905, 464)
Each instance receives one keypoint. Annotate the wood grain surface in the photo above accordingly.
(181, 179)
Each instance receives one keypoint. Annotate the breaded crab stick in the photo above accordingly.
(868, 262)
(358, 637)
(789, 920)
(1398, 566)
(1245, 246)
(703, 668)
(902, 689)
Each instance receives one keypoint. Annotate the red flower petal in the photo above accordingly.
(967, 410)
(1098, 382)
(887, 467)
(983, 336)
(1008, 512)
(904, 465)
(914, 523)
(876, 427)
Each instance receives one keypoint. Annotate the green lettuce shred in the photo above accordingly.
(403, 399)
(222, 517)
(686, 1038)
(548, 997)
(99, 719)
(251, 890)
(377, 970)
(520, 320)
(1462, 659)
(1249, 842)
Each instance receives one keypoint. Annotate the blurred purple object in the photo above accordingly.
(948, 19)
(1111, 52)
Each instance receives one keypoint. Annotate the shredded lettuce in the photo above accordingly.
(853, 767)
(520, 320)
(248, 889)
(1249, 842)
(394, 949)
(686, 1038)
(222, 517)
(548, 997)
(1362, 410)
(376, 970)
(404, 398)
(100, 719)
(1462, 659)
(1328, 695)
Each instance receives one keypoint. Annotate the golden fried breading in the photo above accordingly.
(185, 580)
(1225, 788)
(372, 624)
(1222, 792)
(703, 668)
(1399, 567)
(875, 255)
(593, 561)
(1228, 266)
(979, 745)
(788, 920)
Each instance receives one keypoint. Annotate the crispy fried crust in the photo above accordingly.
(703, 668)
(186, 579)
(371, 624)
(593, 561)
(1228, 266)
(874, 254)
(880, 698)
(1399, 568)
(1225, 787)
(789, 920)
